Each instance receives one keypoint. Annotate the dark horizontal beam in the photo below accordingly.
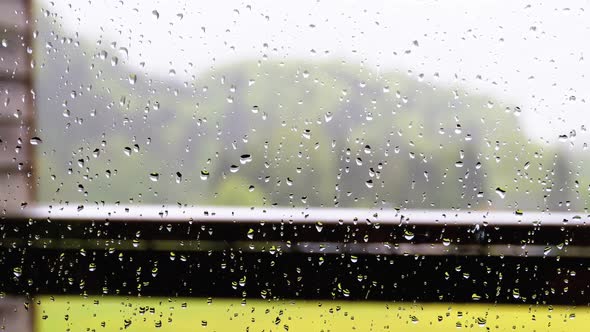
(233, 273)
(494, 257)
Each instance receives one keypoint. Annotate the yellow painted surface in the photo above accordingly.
(63, 313)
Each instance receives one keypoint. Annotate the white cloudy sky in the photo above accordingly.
(531, 53)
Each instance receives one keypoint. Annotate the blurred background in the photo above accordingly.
(441, 105)
(409, 104)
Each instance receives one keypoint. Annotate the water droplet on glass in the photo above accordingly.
(204, 175)
(156, 14)
(408, 235)
(319, 226)
(154, 176)
(547, 250)
(124, 51)
(481, 321)
(516, 293)
(306, 134)
(35, 141)
(328, 116)
(501, 192)
(245, 158)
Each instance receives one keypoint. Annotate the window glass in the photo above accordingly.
(275, 165)
(434, 105)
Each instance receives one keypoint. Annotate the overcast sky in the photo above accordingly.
(532, 54)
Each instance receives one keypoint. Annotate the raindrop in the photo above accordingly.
(154, 176)
(132, 79)
(328, 116)
(245, 158)
(204, 175)
(547, 250)
(516, 293)
(156, 14)
(306, 134)
(408, 235)
(501, 192)
(124, 51)
(481, 321)
(35, 141)
(319, 226)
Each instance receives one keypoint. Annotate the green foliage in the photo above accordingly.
(318, 133)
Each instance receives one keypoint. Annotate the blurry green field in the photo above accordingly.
(159, 314)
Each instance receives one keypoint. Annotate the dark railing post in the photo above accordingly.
(17, 133)
(17, 130)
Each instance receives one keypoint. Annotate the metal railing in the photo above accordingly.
(450, 256)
